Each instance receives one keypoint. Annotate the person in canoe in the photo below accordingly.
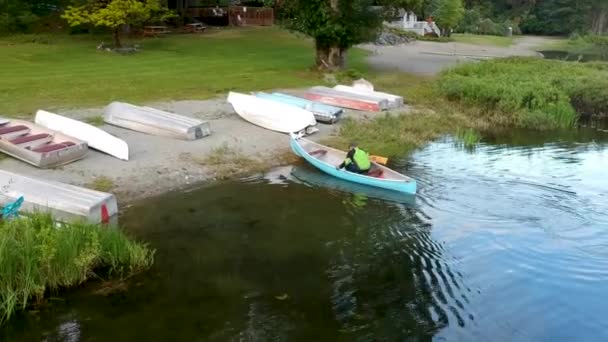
(356, 161)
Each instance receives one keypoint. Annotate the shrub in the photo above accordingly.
(37, 256)
(532, 93)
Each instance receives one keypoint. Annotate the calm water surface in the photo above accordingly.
(507, 242)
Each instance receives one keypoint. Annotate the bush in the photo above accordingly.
(532, 93)
(474, 23)
(36, 256)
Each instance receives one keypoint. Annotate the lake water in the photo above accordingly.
(573, 57)
(506, 242)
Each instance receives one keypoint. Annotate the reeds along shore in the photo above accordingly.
(38, 256)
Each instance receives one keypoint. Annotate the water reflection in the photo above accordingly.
(507, 242)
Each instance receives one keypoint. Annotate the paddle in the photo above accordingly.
(379, 159)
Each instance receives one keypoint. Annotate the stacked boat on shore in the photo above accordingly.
(287, 113)
(54, 140)
(299, 115)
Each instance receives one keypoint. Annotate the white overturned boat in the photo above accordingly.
(65, 202)
(95, 137)
(394, 101)
(273, 115)
(155, 122)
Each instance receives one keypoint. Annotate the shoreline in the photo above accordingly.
(159, 165)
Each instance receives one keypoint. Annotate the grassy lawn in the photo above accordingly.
(60, 71)
(483, 39)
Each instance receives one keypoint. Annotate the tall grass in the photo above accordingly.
(528, 92)
(395, 135)
(36, 256)
(469, 138)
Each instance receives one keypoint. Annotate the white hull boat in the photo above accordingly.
(394, 101)
(95, 137)
(273, 115)
(155, 122)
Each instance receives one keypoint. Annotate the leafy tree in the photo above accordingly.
(337, 25)
(448, 15)
(114, 14)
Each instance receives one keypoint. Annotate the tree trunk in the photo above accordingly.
(330, 58)
(116, 36)
(600, 21)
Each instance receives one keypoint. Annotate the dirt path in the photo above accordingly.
(429, 58)
(159, 164)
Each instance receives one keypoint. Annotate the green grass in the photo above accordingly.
(95, 120)
(477, 39)
(37, 257)
(529, 92)
(102, 183)
(469, 138)
(59, 71)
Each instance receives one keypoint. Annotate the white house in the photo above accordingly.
(408, 21)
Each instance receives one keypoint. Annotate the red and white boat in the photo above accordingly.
(329, 96)
(39, 146)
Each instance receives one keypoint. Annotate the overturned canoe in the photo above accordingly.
(322, 112)
(344, 99)
(39, 146)
(95, 137)
(326, 159)
(155, 122)
(65, 202)
(394, 101)
(272, 115)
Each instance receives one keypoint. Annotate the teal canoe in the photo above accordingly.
(326, 159)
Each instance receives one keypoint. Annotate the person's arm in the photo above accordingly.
(349, 156)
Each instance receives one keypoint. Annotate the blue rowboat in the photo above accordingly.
(322, 112)
(326, 159)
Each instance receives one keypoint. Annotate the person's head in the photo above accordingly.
(352, 145)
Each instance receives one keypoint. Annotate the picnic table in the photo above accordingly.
(155, 31)
(195, 28)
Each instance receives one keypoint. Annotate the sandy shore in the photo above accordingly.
(159, 164)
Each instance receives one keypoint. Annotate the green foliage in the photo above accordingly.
(468, 137)
(392, 135)
(37, 256)
(352, 22)
(442, 39)
(116, 13)
(448, 15)
(557, 17)
(528, 92)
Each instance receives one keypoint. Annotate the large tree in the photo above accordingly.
(448, 14)
(337, 25)
(114, 14)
